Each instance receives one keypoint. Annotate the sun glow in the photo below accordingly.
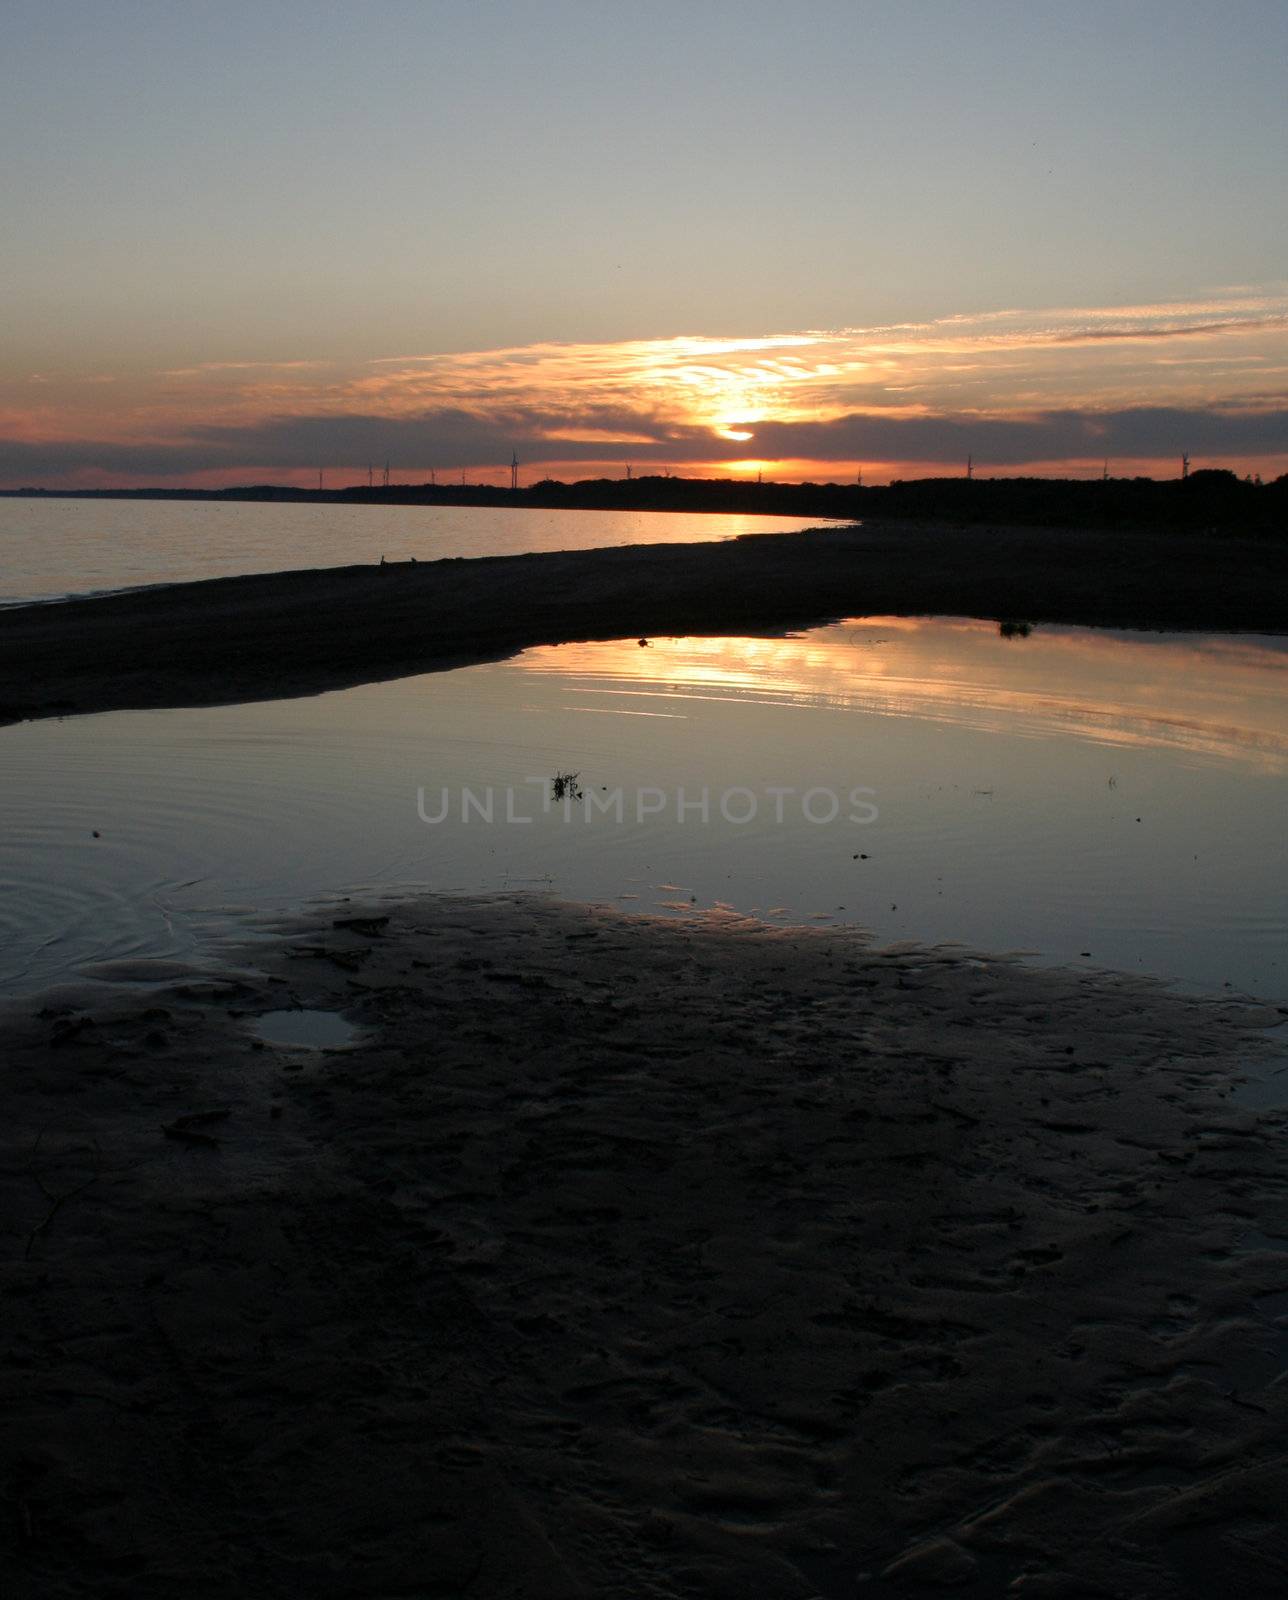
(1040, 391)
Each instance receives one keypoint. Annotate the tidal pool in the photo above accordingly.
(1106, 798)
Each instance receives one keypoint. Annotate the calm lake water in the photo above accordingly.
(1111, 799)
(52, 548)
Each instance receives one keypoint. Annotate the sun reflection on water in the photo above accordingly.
(1216, 698)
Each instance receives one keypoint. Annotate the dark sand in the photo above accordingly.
(628, 1258)
(265, 637)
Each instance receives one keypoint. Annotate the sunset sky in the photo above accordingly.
(247, 242)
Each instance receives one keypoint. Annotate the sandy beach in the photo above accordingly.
(632, 1257)
(269, 636)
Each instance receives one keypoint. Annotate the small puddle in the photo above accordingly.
(307, 1030)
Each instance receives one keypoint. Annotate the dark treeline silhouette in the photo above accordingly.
(1209, 500)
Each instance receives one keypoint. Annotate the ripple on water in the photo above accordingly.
(116, 837)
(153, 833)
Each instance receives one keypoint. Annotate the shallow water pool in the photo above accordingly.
(1105, 798)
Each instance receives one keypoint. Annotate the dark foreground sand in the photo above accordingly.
(631, 1258)
(288, 633)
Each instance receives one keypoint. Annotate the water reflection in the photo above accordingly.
(1070, 792)
(1208, 697)
(53, 547)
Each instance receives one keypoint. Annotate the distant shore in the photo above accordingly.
(282, 634)
(1214, 501)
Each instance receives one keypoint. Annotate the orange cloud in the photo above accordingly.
(813, 403)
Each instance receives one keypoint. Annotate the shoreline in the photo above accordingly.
(722, 1253)
(1209, 499)
(298, 633)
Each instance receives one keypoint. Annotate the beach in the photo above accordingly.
(620, 1256)
(269, 636)
(643, 762)
(634, 1255)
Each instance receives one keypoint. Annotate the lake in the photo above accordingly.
(50, 548)
(1102, 798)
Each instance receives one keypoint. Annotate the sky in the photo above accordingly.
(248, 243)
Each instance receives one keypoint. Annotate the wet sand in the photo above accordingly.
(266, 637)
(630, 1257)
